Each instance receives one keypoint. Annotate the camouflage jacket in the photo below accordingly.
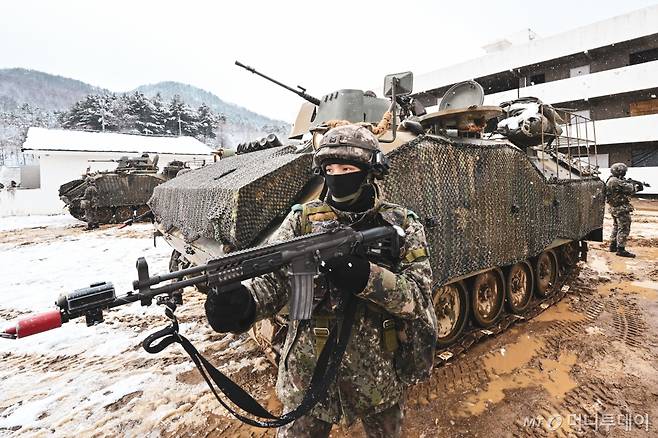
(91, 194)
(367, 383)
(618, 195)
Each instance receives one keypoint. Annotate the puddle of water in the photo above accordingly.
(557, 380)
(560, 312)
(646, 252)
(512, 356)
(647, 288)
(553, 376)
(618, 264)
(605, 290)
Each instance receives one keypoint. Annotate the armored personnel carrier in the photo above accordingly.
(505, 220)
(123, 191)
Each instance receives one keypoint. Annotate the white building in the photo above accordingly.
(65, 155)
(607, 71)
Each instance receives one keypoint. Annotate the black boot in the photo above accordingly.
(613, 246)
(621, 251)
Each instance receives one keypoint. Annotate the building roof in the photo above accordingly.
(625, 27)
(43, 139)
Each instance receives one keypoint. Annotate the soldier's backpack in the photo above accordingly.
(414, 346)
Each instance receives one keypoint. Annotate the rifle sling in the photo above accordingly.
(324, 373)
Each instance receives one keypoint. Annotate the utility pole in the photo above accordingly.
(180, 132)
(103, 114)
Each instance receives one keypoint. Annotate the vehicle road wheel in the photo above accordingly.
(104, 215)
(519, 286)
(545, 273)
(122, 214)
(451, 307)
(488, 295)
(569, 255)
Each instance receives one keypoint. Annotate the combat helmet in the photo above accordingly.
(618, 169)
(354, 144)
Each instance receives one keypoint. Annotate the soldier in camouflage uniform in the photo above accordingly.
(618, 197)
(89, 203)
(366, 386)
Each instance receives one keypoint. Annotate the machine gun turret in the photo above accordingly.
(301, 92)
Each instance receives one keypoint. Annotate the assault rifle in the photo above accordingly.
(640, 185)
(303, 255)
(132, 220)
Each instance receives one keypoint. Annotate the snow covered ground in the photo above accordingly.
(37, 221)
(98, 381)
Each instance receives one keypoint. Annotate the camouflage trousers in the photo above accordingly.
(90, 217)
(385, 424)
(621, 227)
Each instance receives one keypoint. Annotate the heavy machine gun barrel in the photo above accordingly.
(303, 256)
(301, 92)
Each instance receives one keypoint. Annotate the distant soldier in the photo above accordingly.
(89, 203)
(618, 197)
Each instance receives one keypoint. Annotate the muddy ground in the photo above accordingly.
(587, 366)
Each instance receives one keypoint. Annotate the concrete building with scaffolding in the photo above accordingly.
(606, 71)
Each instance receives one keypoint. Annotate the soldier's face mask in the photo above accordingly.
(342, 185)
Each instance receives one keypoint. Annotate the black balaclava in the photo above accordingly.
(349, 191)
(343, 187)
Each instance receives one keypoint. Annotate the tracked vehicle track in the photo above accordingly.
(476, 335)
(628, 324)
(581, 413)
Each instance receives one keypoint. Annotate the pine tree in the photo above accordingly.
(140, 115)
(208, 122)
(182, 120)
(96, 113)
(158, 119)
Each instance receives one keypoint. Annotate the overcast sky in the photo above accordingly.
(323, 46)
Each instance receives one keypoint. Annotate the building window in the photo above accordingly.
(579, 71)
(643, 56)
(539, 78)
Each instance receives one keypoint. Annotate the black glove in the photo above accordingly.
(232, 310)
(348, 273)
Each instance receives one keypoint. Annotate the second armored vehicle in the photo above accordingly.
(122, 192)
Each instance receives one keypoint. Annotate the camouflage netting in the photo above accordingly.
(487, 205)
(483, 204)
(235, 199)
(115, 190)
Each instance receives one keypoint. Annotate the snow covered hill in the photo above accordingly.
(33, 98)
(19, 86)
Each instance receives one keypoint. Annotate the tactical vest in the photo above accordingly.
(414, 357)
(614, 195)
